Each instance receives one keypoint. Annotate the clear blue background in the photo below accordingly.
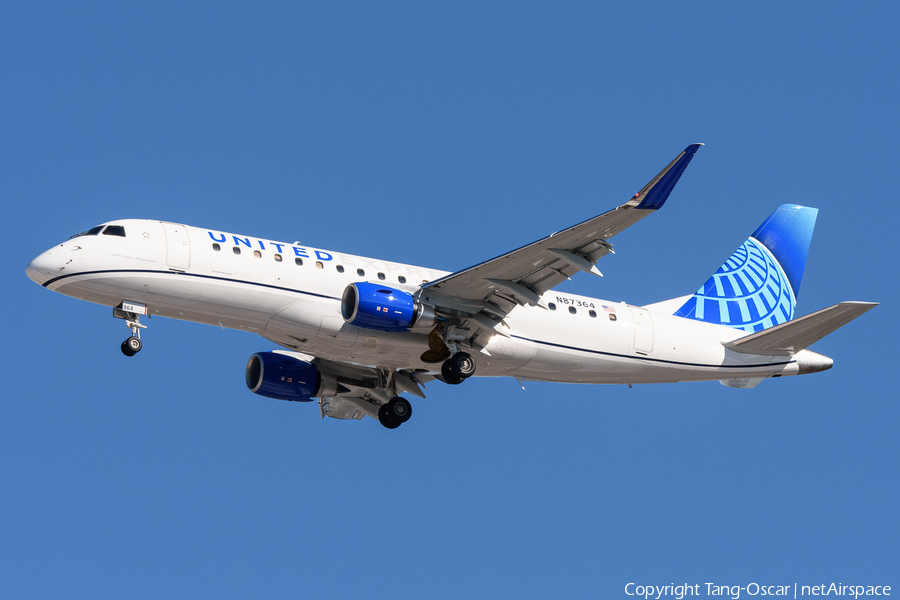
(443, 134)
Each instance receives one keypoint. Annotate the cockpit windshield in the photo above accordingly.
(116, 230)
(92, 231)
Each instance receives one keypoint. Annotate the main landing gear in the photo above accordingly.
(396, 412)
(458, 368)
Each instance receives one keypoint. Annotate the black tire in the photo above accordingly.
(134, 344)
(126, 350)
(386, 418)
(449, 375)
(463, 364)
(400, 409)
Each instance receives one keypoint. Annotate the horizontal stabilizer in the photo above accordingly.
(793, 336)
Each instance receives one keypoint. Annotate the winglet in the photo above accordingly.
(655, 193)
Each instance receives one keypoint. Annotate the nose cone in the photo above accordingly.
(42, 268)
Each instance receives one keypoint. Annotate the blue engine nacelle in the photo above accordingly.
(373, 306)
(284, 377)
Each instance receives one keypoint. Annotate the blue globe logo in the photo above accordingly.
(750, 292)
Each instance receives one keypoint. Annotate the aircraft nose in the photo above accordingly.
(42, 268)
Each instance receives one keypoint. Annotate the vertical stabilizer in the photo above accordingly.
(757, 287)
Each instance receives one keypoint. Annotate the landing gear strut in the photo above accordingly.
(458, 368)
(395, 413)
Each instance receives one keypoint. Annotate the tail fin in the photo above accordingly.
(757, 287)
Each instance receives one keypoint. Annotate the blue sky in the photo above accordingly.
(444, 134)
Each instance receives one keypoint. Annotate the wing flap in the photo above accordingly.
(340, 407)
(793, 336)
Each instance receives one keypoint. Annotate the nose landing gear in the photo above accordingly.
(131, 313)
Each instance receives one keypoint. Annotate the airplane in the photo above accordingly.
(356, 333)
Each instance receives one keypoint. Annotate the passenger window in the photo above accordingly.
(257, 254)
(236, 250)
(401, 279)
(551, 306)
(572, 310)
(593, 314)
(217, 247)
(340, 268)
(114, 230)
(360, 272)
(612, 317)
(319, 265)
(277, 258)
(381, 276)
(298, 262)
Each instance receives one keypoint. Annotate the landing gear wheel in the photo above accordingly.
(457, 368)
(395, 413)
(386, 418)
(449, 375)
(400, 408)
(132, 345)
(463, 364)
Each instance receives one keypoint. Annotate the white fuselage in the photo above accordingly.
(291, 294)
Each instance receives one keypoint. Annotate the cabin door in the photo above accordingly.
(178, 247)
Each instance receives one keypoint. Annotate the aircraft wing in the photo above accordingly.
(519, 277)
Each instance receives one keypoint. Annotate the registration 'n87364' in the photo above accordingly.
(574, 302)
